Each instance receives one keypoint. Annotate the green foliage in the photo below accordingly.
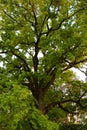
(40, 41)
(57, 115)
(18, 112)
(14, 105)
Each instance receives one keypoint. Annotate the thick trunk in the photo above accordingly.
(40, 101)
(39, 96)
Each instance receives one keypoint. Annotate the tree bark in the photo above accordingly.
(40, 100)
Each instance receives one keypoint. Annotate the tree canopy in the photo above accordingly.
(40, 41)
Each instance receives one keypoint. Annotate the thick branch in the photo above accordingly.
(46, 84)
(59, 104)
(52, 78)
(35, 58)
(29, 85)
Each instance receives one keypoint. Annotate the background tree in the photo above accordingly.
(40, 41)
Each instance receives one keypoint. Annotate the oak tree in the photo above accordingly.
(40, 41)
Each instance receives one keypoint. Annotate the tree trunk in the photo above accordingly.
(40, 100)
(39, 96)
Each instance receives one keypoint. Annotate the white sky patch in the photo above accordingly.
(0, 18)
(40, 55)
(27, 55)
(17, 32)
(1, 64)
(13, 57)
(79, 74)
(49, 23)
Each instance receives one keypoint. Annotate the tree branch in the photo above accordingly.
(22, 59)
(52, 75)
(59, 104)
(13, 19)
(62, 21)
(74, 63)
